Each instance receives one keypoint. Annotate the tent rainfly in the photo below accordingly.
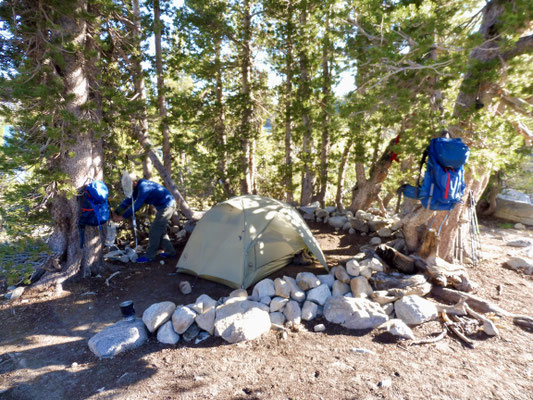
(244, 239)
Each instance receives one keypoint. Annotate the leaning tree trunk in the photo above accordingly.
(340, 175)
(81, 155)
(287, 179)
(474, 93)
(366, 189)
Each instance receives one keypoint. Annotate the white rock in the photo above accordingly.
(203, 303)
(337, 222)
(384, 232)
(415, 310)
(520, 243)
(385, 383)
(519, 226)
(157, 314)
(319, 328)
(296, 293)
(239, 293)
(366, 271)
(521, 263)
(182, 319)
(185, 287)
(166, 334)
(241, 320)
(282, 288)
(121, 336)
(373, 263)
(277, 318)
(396, 225)
(319, 295)
(389, 309)
(326, 279)
(307, 280)
(339, 288)
(354, 313)
(360, 287)
(331, 209)
(353, 267)
(321, 213)
(264, 288)
(16, 293)
(278, 303)
(309, 311)
(398, 328)
(206, 320)
(292, 312)
(265, 300)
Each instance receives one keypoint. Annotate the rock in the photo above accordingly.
(351, 231)
(121, 336)
(363, 215)
(206, 320)
(331, 209)
(360, 287)
(384, 232)
(265, 300)
(309, 217)
(514, 206)
(292, 312)
(309, 310)
(319, 328)
(396, 225)
(296, 293)
(166, 334)
(191, 333)
(337, 222)
(339, 288)
(519, 226)
(352, 267)
(16, 293)
(203, 303)
(282, 288)
(375, 224)
(319, 295)
(521, 263)
(241, 320)
(310, 208)
(382, 297)
(307, 280)
(385, 383)
(326, 279)
(157, 314)
(341, 274)
(347, 226)
(185, 287)
(201, 337)
(359, 225)
(277, 318)
(366, 271)
(360, 257)
(373, 263)
(398, 328)
(415, 310)
(354, 313)
(375, 241)
(182, 319)
(321, 213)
(278, 303)
(389, 309)
(520, 243)
(264, 288)
(239, 293)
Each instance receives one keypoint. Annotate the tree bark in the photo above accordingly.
(140, 122)
(161, 101)
(340, 175)
(289, 195)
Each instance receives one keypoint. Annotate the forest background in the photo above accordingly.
(219, 98)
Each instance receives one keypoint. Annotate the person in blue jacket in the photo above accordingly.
(148, 192)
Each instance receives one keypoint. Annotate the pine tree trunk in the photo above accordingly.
(308, 176)
(289, 195)
(140, 121)
(161, 101)
(340, 175)
(80, 153)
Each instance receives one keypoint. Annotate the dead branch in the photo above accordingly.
(452, 327)
(434, 339)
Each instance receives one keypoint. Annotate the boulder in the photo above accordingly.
(375, 241)
(121, 336)
(307, 280)
(182, 319)
(309, 311)
(352, 267)
(166, 334)
(206, 320)
(326, 279)
(373, 263)
(375, 224)
(240, 293)
(321, 213)
(203, 303)
(415, 310)
(354, 313)
(359, 225)
(398, 328)
(157, 314)
(337, 222)
(341, 274)
(278, 303)
(521, 263)
(277, 318)
(319, 295)
(384, 232)
(514, 206)
(296, 293)
(310, 208)
(241, 320)
(525, 242)
(264, 288)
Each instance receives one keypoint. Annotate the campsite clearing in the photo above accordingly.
(44, 351)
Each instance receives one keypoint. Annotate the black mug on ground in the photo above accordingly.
(128, 312)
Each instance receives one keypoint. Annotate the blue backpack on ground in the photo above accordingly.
(443, 185)
(94, 207)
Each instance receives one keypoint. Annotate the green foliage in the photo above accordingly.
(20, 257)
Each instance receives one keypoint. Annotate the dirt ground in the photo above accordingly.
(44, 352)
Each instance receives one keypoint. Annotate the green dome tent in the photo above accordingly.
(242, 240)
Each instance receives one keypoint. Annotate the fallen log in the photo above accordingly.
(395, 259)
(481, 305)
(443, 273)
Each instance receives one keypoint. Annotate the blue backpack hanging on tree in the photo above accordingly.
(443, 185)
(94, 207)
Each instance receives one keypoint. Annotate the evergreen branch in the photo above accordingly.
(524, 45)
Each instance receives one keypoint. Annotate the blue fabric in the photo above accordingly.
(94, 207)
(146, 192)
(443, 185)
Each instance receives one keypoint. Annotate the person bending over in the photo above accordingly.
(148, 192)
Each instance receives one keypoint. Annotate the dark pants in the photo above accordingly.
(158, 233)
